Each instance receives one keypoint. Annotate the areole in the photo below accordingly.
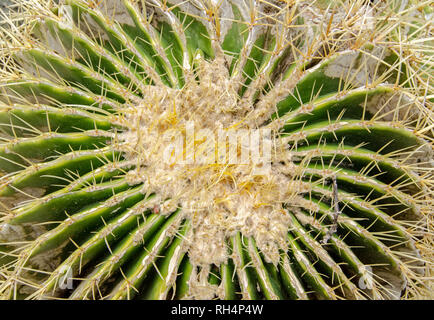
(215, 149)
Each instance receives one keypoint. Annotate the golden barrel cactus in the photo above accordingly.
(202, 149)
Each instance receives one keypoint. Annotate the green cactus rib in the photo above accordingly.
(74, 202)
(27, 120)
(33, 90)
(246, 274)
(16, 155)
(357, 158)
(47, 174)
(117, 227)
(395, 201)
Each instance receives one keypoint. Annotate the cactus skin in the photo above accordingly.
(350, 110)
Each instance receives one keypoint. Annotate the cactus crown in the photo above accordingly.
(98, 187)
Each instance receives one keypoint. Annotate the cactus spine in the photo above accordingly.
(94, 92)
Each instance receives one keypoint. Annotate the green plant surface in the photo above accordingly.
(91, 90)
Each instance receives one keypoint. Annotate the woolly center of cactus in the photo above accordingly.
(181, 141)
